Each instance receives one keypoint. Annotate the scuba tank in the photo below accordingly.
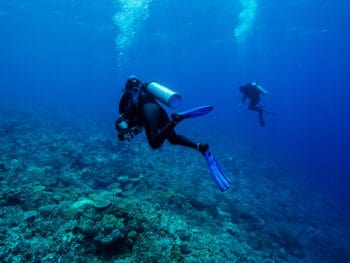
(165, 95)
(126, 130)
(261, 89)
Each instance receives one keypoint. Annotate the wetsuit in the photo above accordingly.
(142, 109)
(252, 92)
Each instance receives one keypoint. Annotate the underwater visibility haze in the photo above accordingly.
(71, 192)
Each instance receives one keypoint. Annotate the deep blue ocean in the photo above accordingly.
(71, 58)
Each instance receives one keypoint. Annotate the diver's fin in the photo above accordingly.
(218, 175)
(261, 119)
(270, 112)
(193, 112)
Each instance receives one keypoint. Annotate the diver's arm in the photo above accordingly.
(157, 129)
(123, 103)
(243, 100)
(163, 132)
(122, 124)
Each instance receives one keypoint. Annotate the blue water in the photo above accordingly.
(66, 53)
(75, 55)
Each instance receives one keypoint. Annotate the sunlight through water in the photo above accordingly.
(246, 19)
(129, 17)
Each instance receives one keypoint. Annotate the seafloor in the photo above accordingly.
(71, 192)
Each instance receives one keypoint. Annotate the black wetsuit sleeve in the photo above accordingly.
(123, 103)
(244, 98)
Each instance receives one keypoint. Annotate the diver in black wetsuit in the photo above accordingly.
(138, 109)
(253, 91)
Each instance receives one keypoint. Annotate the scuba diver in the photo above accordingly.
(252, 91)
(139, 108)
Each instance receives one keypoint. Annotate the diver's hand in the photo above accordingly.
(116, 125)
(121, 137)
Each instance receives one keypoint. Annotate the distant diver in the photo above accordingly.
(139, 108)
(253, 91)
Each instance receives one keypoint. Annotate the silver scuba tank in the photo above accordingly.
(165, 95)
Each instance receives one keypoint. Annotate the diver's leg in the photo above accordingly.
(156, 123)
(261, 119)
(260, 111)
(159, 127)
(253, 105)
(151, 114)
(176, 139)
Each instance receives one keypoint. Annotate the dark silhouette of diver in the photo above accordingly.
(140, 109)
(253, 91)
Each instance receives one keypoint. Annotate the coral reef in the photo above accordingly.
(71, 194)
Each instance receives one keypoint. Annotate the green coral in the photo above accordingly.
(80, 206)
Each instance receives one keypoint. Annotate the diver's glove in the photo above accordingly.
(133, 131)
(125, 130)
(121, 137)
(122, 127)
(122, 124)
